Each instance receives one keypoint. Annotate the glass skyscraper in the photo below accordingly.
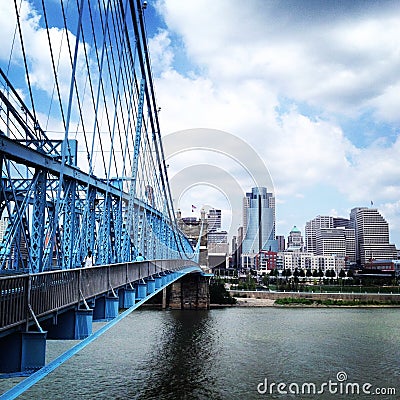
(259, 217)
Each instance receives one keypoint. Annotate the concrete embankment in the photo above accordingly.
(272, 296)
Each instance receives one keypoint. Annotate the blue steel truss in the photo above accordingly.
(98, 188)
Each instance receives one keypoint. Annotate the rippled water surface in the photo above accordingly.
(226, 353)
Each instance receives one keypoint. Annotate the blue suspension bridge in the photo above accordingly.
(84, 189)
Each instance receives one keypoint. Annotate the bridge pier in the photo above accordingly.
(158, 280)
(151, 285)
(22, 352)
(126, 297)
(73, 324)
(105, 308)
(191, 292)
(141, 290)
(83, 323)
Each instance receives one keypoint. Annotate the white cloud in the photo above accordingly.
(387, 104)
(377, 173)
(162, 55)
(9, 39)
(36, 47)
(341, 62)
(341, 65)
(308, 152)
(391, 211)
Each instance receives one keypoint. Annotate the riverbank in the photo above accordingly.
(297, 300)
(317, 296)
(252, 302)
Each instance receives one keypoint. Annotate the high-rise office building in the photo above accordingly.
(270, 202)
(350, 237)
(371, 235)
(349, 234)
(218, 247)
(239, 245)
(259, 231)
(214, 220)
(328, 236)
(321, 221)
(331, 241)
(246, 205)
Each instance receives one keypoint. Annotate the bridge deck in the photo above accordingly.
(49, 292)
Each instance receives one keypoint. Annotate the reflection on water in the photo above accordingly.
(183, 357)
(226, 353)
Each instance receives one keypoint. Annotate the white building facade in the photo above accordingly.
(371, 235)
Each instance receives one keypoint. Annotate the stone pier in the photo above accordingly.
(191, 292)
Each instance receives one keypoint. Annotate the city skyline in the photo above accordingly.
(323, 234)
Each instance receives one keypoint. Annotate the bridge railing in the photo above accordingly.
(13, 300)
(50, 291)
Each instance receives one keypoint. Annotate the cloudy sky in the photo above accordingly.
(299, 96)
(312, 86)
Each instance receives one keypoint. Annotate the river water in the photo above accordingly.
(228, 353)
